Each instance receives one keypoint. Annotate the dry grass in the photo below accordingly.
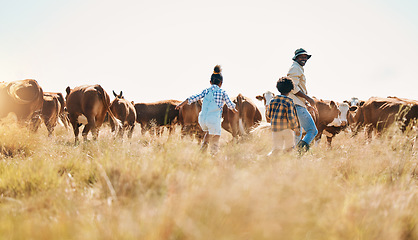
(164, 188)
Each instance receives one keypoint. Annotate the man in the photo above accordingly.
(300, 97)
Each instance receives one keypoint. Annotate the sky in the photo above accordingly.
(164, 49)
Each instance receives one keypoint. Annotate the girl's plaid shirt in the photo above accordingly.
(220, 97)
(282, 114)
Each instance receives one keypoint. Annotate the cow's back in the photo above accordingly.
(162, 112)
(380, 111)
(123, 110)
(23, 97)
(50, 109)
(251, 113)
(248, 116)
(88, 99)
(87, 105)
(189, 113)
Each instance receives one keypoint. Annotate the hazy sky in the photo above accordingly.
(163, 49)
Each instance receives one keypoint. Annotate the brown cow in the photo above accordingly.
(241, 123)
(87, 105)
(152, 116)
(327, 114)
(52, 110)
(189, 120)
(24, 98)
(380, 113)
(338, 124)
(405, 100)
(125, 112)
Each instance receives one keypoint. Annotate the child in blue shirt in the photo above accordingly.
(210, 116)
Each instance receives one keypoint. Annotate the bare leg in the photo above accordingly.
(205, 143)
(215, 144)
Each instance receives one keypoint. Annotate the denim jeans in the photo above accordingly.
(306, 123)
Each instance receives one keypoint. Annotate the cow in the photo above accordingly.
(327, 114)
(266, 98)
(340, 122)
(125, 111)
(404, 100)
(377, 114)
(189, 120)
(87, 105)
(24, 98)
(53, 109)
(152, 116)
(241, 123)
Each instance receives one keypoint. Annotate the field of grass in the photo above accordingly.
(164, 188)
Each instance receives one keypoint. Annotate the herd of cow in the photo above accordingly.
(90, 105)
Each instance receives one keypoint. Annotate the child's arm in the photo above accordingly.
(229, 103)
(181, 104)
(192, 99)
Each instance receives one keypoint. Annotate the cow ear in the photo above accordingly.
(361, 103)
(68, 90)
(259, 97)
(332, 104)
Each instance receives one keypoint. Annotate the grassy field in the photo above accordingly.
(164, 188)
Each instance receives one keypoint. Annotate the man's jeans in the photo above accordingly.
(307, 123)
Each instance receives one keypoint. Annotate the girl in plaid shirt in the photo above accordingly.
(211, 114)
(282, 115)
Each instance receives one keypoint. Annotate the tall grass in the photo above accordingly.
(164, 188)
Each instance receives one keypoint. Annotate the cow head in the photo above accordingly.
(266, 97)
(354, 101)
(353, 117)
(118, 96)
(329, 113)
(335, 113)
(344, 110)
